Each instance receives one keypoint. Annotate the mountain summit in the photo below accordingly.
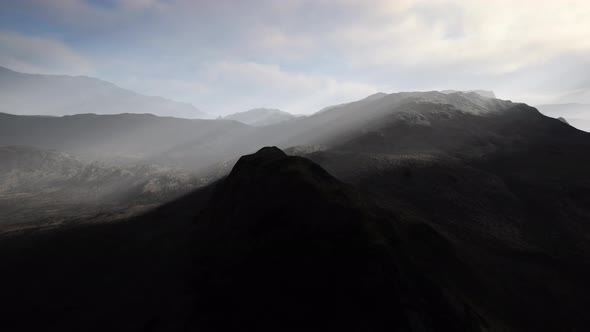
(261, 117)
(283, 243)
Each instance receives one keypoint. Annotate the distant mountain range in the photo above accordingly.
(198, 144)
(261, 117)
(193, 144)
(33, 94)
(578, 115)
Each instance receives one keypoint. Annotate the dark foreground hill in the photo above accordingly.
(280, 244)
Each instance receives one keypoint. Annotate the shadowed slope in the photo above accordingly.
(277, 245)
(284, 245)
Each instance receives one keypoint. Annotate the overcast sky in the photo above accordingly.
(225, 56)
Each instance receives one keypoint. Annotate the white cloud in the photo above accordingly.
(496, 36)
(40, 55)
(244, 85)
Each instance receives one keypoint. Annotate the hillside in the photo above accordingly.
(193, 144)
(47, 187)
(257, 268)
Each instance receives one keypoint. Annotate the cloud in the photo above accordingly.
(40, 55)
(494, 37)
(302, 55)
(247, 85)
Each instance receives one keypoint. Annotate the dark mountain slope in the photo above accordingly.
(516, 146)
(126, 276)
(510, 187)
(284, 244)
(279, 244)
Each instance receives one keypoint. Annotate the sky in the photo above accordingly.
(226, 56)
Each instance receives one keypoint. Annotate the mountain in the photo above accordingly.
(372, 97)
(578, 115)
(431, 124)
(261, 117)
(280, 243)
(483, 93)
(46, 187)
(198, 144)
(192, 144)
(343, 123)
(33, 94)
(507, 184)
(241, 253)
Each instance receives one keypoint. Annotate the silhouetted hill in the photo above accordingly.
(33, 94)
(261, 117)
(278, 244)
(509, 185)
(283, 244)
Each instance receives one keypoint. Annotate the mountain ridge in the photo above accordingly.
(261, 116)
(65, 95)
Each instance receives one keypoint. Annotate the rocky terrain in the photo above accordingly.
(406, 212)
(45, 187)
